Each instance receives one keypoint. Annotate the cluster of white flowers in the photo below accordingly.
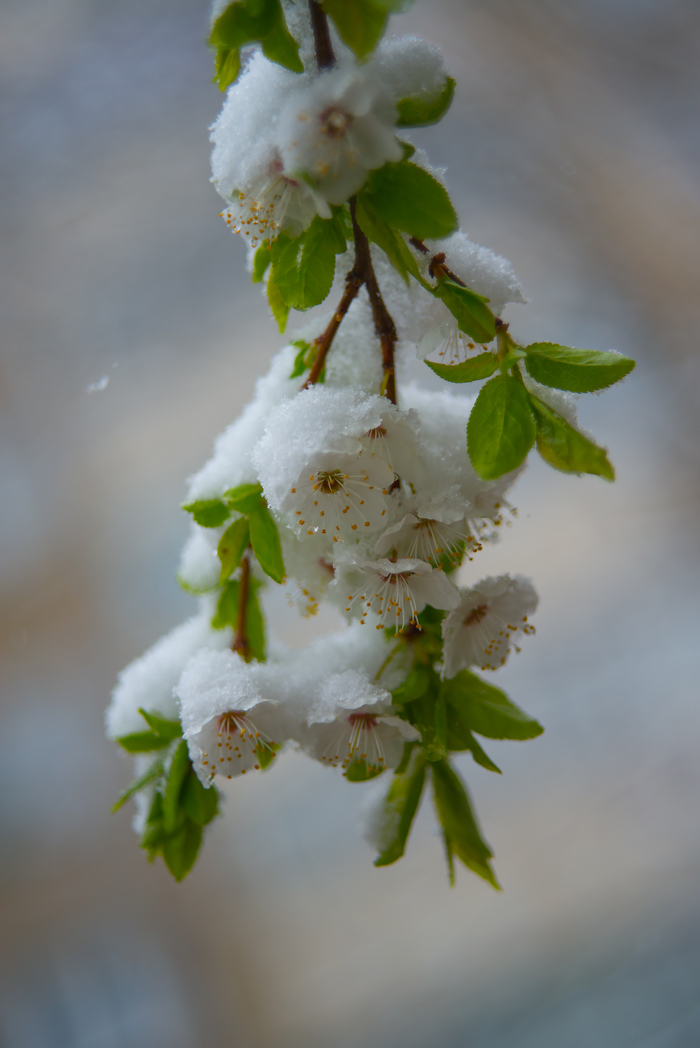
(366, 500)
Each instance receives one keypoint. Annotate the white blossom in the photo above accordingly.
(482, 628)
(341, 495)
(395, 591)
(230, 725)
(337, 129)
(272, 203)
(351, 726)
(425, 538)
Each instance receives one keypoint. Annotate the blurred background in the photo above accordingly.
(131, 337)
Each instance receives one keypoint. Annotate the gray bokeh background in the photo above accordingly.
(572, 149)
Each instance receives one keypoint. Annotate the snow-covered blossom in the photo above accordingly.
(337, 129)
(351, 725)
(481, 629)
(272, 203)
(447, 342)
(395, 591)
(230, 725)
(314, 468)
(340, 495)
(410, 67)
(148, 682)
(426, 538)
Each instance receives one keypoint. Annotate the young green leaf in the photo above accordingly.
(303, 269)
(232, 545)
(565, 448)
(227, 614)
(181, 849)
(470, 311)
(153, 833)
(415, 111)
(408, 198)
(454, 811)
(201, 803)
(305, 357)
(265, 540)
(179, 767)
(249, 22)
(244, 498)
(501, 429)
(389, 240)
(480, 756)
(280, 309)
(167, 729)
(209, 513)
(261, 260)
(481, 366)
(227, 607)
(426, 715)
(483, 708)
(415, 686)
(142, 742)
(576, 370)
(153, 773)
(401, 805)
(360, 23)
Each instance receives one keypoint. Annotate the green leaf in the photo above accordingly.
(209, 513)
(227, 614)
(249, 22)
(181, 849)
(426, 715)
(179, 767)
(481, 757)
(153, 833)
(565, 448)
(265, 540)
(415, 686)
(261, 260)
(576, 370)
(470, 311)
(408, 198)
(360, 23)
(358, 770)
(481, 366)
(227, 607)
(200, 802)
(389, 240)
(462, 835)
(306, 353)
(501, 429)
(167, 729)
(280, 309)
(144, 780)
(142, 742)
(303, 269)
(416, 111)
(483, 708)
(244, 498)
(401, 805)
(232, 545)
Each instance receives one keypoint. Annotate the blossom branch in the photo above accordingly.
(241, 643)
(437, 262)
(325, 55)
(361, 273)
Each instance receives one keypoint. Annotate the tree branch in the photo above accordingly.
(437, 262)
(325, 56)
(361, 273)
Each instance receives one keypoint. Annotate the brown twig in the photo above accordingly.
(383, 323)
(437, 262)
(240, 642)
(325, 56)
(353, 283)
